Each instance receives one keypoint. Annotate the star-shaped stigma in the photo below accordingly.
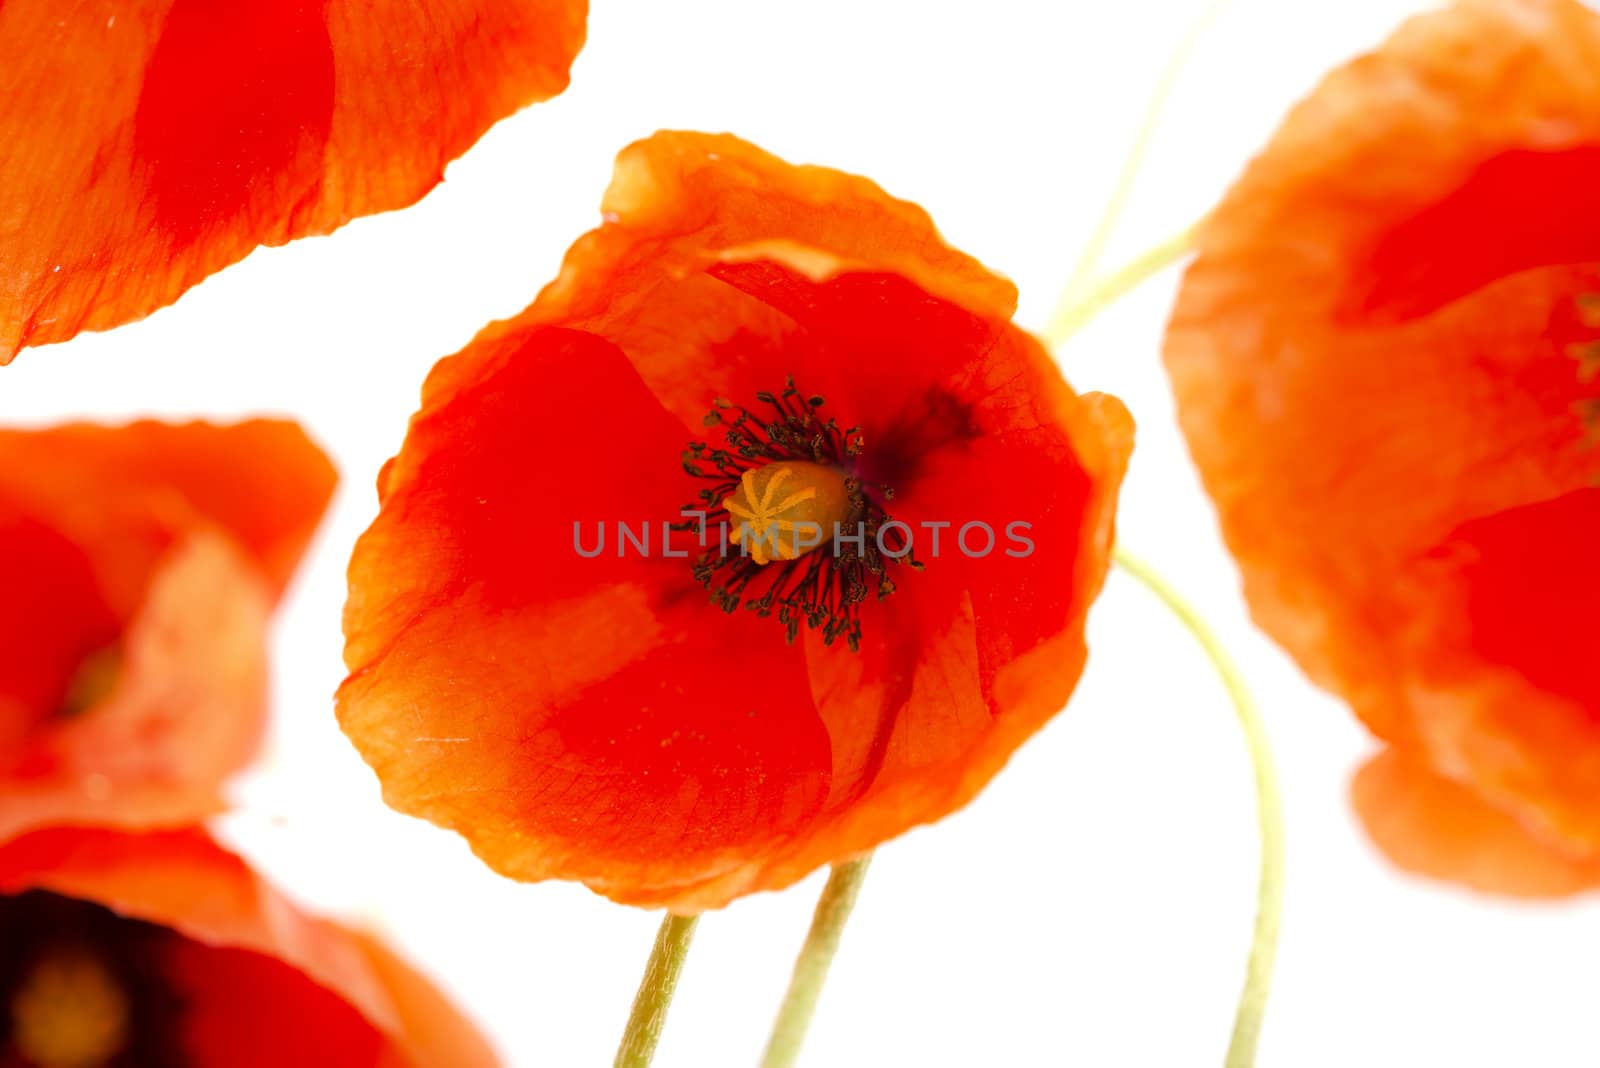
(764, 532)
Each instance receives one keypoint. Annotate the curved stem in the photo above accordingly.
(1075, 310)
(1089, 258)
(811, 968)
(1269, 812)
(660, 980)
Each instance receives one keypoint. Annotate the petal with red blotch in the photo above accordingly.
(144, 146)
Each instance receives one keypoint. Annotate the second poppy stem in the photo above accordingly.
(1269, 812)
(660, 981)
(1079, 307)
(1143, 138)
(811, 969)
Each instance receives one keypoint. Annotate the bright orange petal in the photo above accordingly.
(1429, 825)
(163, 140)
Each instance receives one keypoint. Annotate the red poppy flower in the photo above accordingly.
(145, 145)
(140, 564)
(672, 724)
(120, 948)
(1385, 360)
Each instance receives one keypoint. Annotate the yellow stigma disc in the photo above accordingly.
(69, 1012)
(783, 510)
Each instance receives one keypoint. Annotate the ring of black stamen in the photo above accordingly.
(822, 589)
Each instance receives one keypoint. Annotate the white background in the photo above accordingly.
(1093, 907)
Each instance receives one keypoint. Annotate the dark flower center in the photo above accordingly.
(79, 986)
(798, 534)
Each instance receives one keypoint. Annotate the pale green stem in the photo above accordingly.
(811, 968)
(660, 980)
(1089, 258)
(1269, 813)
(1076, 310)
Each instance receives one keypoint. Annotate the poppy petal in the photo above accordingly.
(165, 139)
(1429, 825)
(263, 981)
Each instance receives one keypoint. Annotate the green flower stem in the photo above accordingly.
(660, 980)
(811, 968)
(1269, 813)
(1079, 306)
(1144, 137)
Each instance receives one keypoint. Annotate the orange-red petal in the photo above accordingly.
(146, 145)
(155, 551)
(602, 720)
(260, 982)
(264, 482)
(1379, 359)
(1428, 824)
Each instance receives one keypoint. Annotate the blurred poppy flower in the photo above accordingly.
(679, 725)
(121, 948)
(139, 565)
(1385, 360)
(145, 145)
